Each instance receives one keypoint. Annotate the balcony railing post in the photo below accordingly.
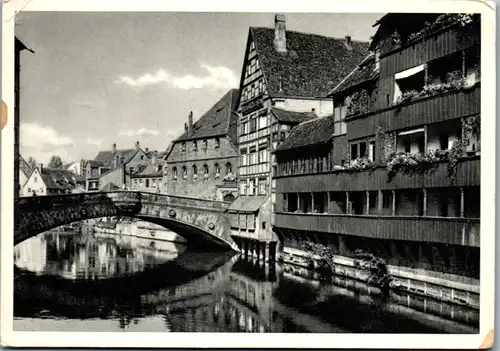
(347, 203)
(380, 201)
(424, 211)
(393, 203)
(312, 202)
(462, 202)
(327, 207)
(298, 201)
(367, 210)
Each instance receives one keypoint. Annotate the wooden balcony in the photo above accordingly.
(446, 230)
(468, 174)
(427, 110)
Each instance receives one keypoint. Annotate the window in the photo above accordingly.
(34, 179)
(243, 188)
(195, 145)
(217, 143)
(263, 225)
(229, 168)
(183, 146)
(339, 126)
(195, 171)
(412, 79)
(153, 183)
(282, 136)
(205, 171)
(29, 190)
(362, 149)
(262, 122)
(174, 173)
(147, 183)
(142, 157)
(253, 125)
(251, 190)
(217, 170)
(184, 172)
(354, 151)
(262, 186)
(204, 144)
(411, 141)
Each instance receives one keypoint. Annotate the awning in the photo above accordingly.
(247, 203)
(410, 72)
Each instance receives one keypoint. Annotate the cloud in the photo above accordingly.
(42, 142)
(139, 132)
(219, 77)
(94, 142)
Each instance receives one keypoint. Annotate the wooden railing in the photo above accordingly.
(447, 230)
(468, 174)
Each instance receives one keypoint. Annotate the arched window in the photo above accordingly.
(205, 170)
(217, 170)
(229, 168)
(217, 143)
(195, 171)
(184, 172)
(174, 172)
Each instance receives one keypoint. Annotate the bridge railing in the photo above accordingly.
(183, 201)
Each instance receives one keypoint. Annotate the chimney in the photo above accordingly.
(280, 33)
(190, 123)
(147, 149)
(348, 42)
(185, 127)
(114, 147)
(137, 145)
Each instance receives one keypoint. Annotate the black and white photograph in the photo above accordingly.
(248, 173)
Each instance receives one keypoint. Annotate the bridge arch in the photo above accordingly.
(201, 222)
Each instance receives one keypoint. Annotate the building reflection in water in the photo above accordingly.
(207, 292)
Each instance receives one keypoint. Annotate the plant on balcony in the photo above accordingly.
(357, 103)
(379, 274)
(470, 126)
(396, 38)
(414, 162)
(359, 164)
(387, 142)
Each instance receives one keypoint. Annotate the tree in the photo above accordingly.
(55, 162)
(32, 162)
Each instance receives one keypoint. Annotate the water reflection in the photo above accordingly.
(103, 282)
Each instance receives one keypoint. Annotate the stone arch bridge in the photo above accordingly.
(201, 222)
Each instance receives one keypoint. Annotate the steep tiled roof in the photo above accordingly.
(312, 132)
(93, 163)
(285, 116)
(24, 166)
(364, 72)
(149, 171)
(312, 66)
(107, 157)
(58, 179)
(219, 120)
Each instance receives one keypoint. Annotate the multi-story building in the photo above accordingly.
(25, 171)
(150, 179)
(285, 78)
(49, 181)
(402, 180)
(203, 158)
(112, 169)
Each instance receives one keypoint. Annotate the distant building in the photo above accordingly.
(77, 168)
(202, 161)
(149, 177)
(285, 79)
(25, 171)
(50, 181)
(115, 167)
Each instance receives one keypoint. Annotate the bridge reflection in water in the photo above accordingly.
(102, 282)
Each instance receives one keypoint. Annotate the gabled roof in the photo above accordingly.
(150, 171)
(217, 120)
(58, 179)
(312, 66)
(107, 157)
(292, 117)
(93, 163)
(316, 131)
(110, 186)
(363, 73)
(24, 166)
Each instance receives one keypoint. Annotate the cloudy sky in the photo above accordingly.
(102, 78)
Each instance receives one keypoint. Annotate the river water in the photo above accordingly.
(68, 281)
